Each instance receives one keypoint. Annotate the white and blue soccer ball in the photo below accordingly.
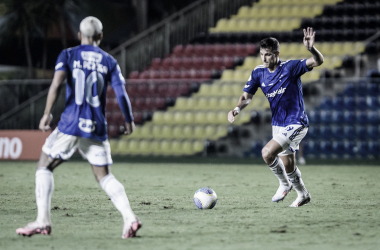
(205, 198)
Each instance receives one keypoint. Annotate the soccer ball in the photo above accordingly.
(205, 198)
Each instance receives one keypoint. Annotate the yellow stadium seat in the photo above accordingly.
(211, 117)
(113, 145)
(133, 147)
(203, 103)
(242, 118)
(189, 118)
(182, 103)
(210, 132)
(221, 131)
(155, 147)
(317, 10)
(187, 131)
(359, 47)
(198, 146)
(241, 25)
(252, 25)
(176, 132)
(224, 103)
(284, 11)
(227, 74)
(144, 147)
(199, 117)
(187, 147)
(166, 132)
(214, 103)
(165, 147)
(337, 49)
(156, 131)
(221, 117)
(220, 26)
(178, 118)
(244, 12)
(176, 147)
(199, 132)
(122, 147)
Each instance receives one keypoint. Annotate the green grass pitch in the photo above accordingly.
(344, 212)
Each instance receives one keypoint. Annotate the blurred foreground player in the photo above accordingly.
(88, 69)
(280, 81)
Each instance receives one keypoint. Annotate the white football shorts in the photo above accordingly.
(289, 137)
(62, 146)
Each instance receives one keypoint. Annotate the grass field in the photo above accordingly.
(344, 213)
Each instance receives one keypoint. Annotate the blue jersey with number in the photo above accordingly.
(283, 88)
(89, 69)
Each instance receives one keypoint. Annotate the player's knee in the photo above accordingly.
(267, 155)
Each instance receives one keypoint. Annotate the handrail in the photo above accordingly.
(155, 27)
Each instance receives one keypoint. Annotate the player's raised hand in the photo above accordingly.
(231, 116)
(309, 38)
(129, 128)
(45, 122)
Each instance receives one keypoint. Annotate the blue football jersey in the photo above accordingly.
(283, 88)
(89, 70)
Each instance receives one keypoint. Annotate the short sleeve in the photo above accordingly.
(299, 67)
(252, 84)
(116, 76)
(61, 63)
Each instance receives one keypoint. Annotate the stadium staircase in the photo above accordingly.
(177, 101)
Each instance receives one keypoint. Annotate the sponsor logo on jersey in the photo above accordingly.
(91, 56)
(271, 84)
(284, 134)
(86, 125)
(276, 92)
(263, 84)
(246, 86)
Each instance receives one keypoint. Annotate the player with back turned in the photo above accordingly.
(280, 82)
(88, 70)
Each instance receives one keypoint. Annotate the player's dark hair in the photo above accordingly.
(270, 43)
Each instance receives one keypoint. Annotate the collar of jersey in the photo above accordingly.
(279, 63)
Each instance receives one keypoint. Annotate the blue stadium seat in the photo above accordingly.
(349, 132)
(325, 132)
(349, 90)
(373, 117)
(311, 148)
(373, 148)
(361, 89)
(314, 117)
(326, 148)
(373, 89)
(349, 147)
(337, 117)
(338, 148)
(313, 132)
(361, 132)
(372, 102)
(362, 148)
(349, 117)
(349, 102)
(361, 103)
(361, 117)
(337, 132)
(325, 116)
(373, 132)
(338, 103)
(256, 148)
(326, 103)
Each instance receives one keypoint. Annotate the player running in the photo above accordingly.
(88, 69)
(280, 81)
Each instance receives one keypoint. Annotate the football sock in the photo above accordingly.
(44, 191)
(116, 192)
(295, 178)
(278, 169)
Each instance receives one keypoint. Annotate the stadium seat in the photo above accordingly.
(326, 148)
(373, 148)
(349, 132)
(325, 132)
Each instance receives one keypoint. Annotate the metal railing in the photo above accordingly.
(157, 41)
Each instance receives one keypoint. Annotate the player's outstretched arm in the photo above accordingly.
(58, 79)
(244, 100)
(308, 41)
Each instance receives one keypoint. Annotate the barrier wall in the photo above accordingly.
(21, 144)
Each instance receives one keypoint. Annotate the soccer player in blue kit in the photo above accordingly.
(280, 82)
(88, 70)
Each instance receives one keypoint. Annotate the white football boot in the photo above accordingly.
(301, 200)
(281, 193)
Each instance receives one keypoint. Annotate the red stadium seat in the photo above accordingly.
(185, 74)
(189, 50)
(209, 50)
(162, 90)
(156, 63)
(110, 92)
(134, 75)
(197, 62)
(160, 103)
(183, 89)
(228, 62)
(113, 131)
(251, 49)
(187, 63)
(175, 74)
(178, 50)
(138, 117)
(163, 74)
(167, 63)
(132, 89)
(199, 50)
(177, 63)
(218, 62)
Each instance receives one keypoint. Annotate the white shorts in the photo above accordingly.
(62, 146)
(289, 137)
